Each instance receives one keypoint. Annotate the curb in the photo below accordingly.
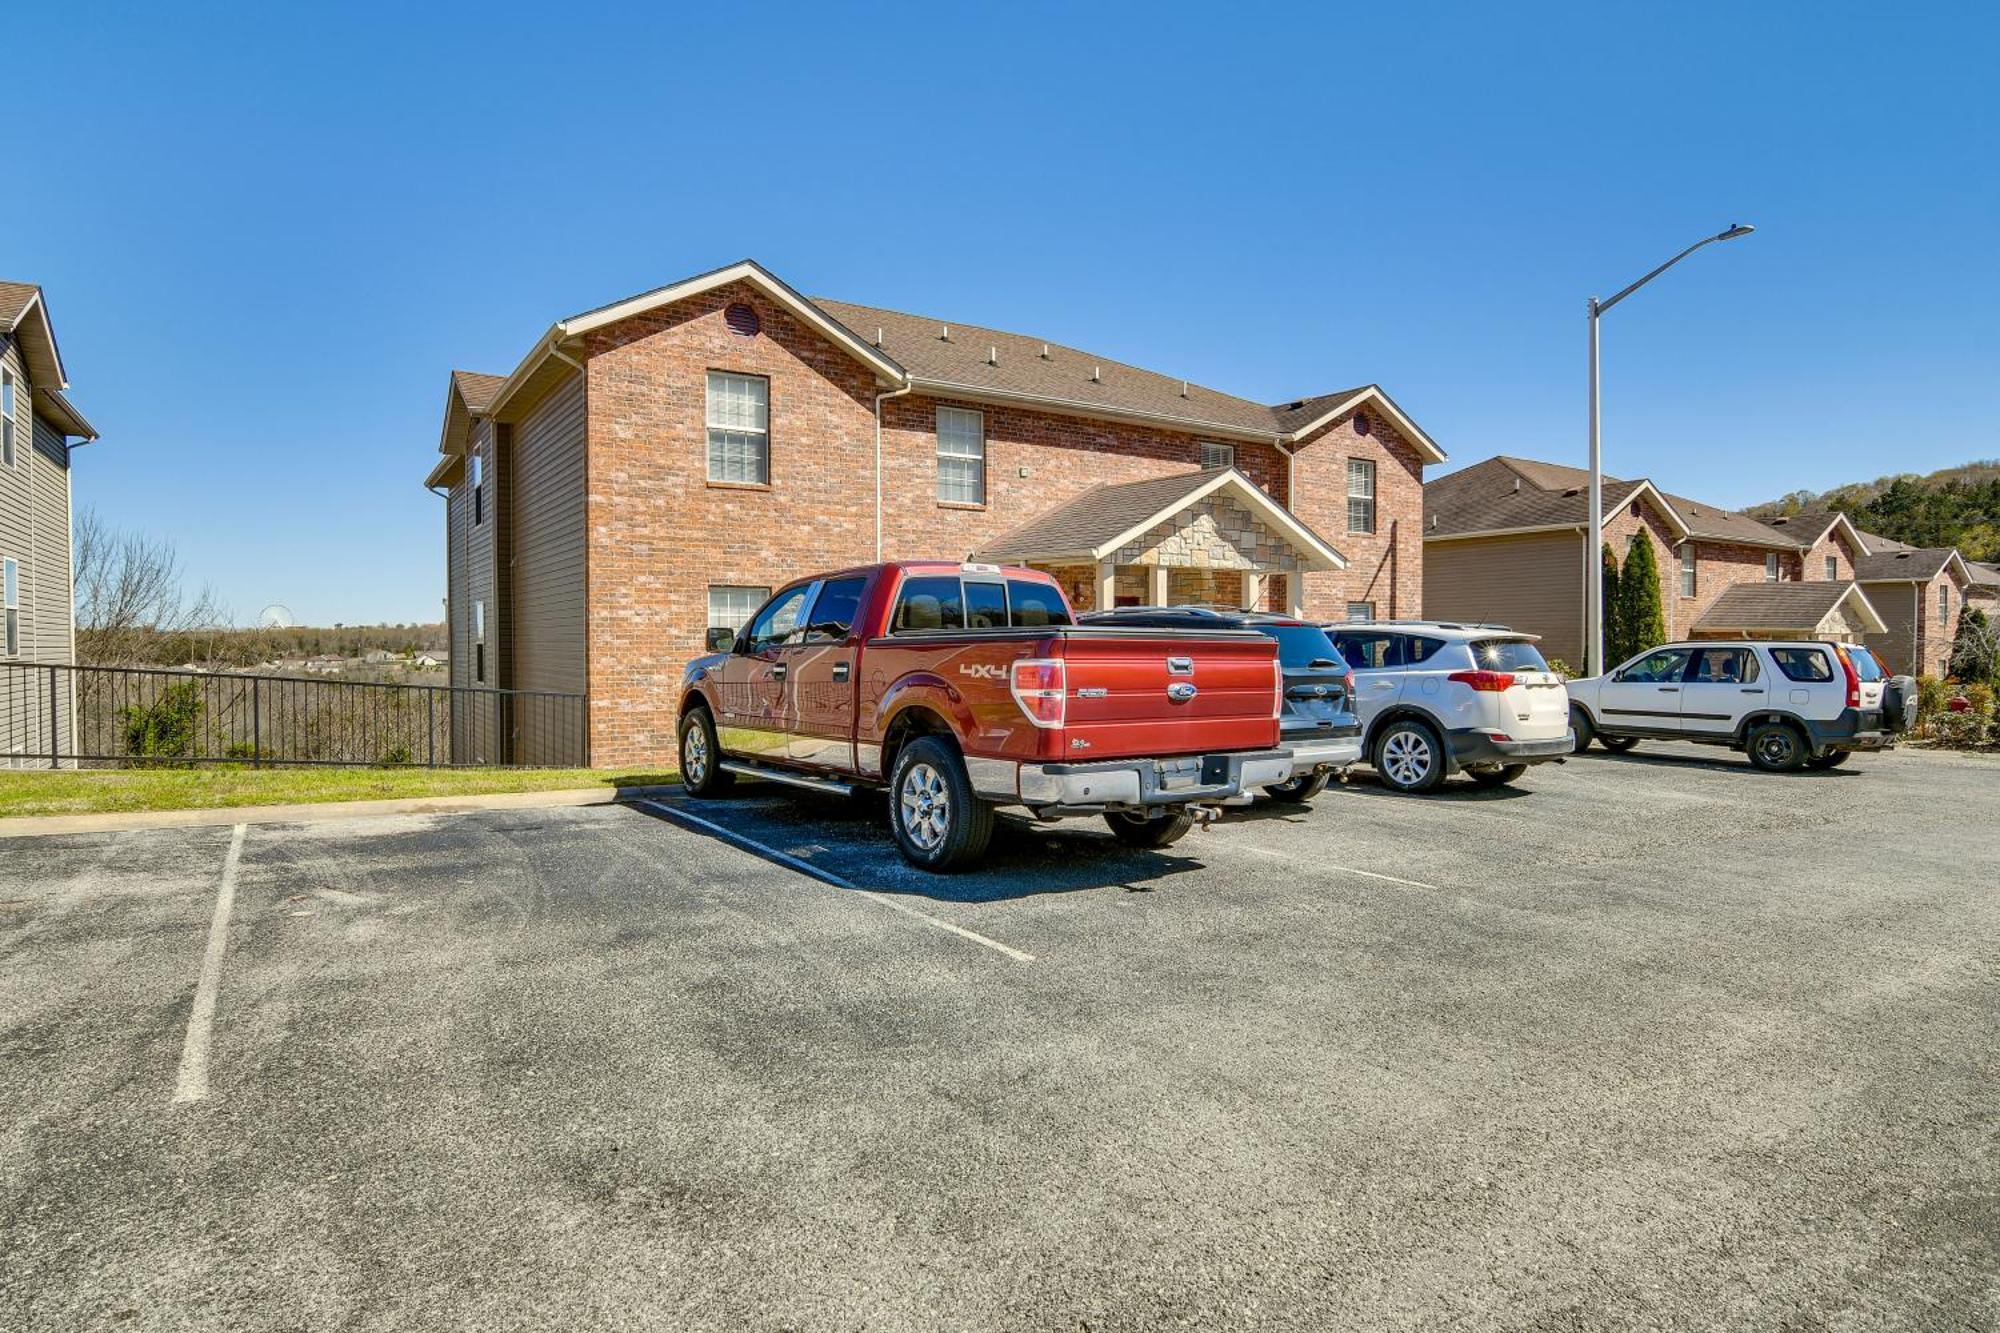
(319, 812)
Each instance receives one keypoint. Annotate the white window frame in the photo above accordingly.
(727, 617)
(1690, 571)
(8, 454)
(1832, 568)
(1772, 570)
(1367, 615)
(1216, 455)
(479, 641)
(961, 439)
(1944, 602)
(1361, 469)
(478, 466)
(10, 598)
(738, 417)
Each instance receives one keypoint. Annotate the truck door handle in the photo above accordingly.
(840, 671)
(778, 671)
(1751, 689)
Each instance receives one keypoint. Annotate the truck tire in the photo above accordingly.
(1777, 747)
(1617, 744)
(1149, 831)
(701, 756)
(1831, 759)
(1579, 722)
(1299, 790)
(938, 822)
(1409, 756)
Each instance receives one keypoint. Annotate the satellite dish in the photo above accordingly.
(275, 616)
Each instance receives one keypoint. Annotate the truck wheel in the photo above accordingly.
(1617, 744)
(1496, 775)
(701, 756)
(1136, 830)
(1579, 722)
(1409, 756)
(938, 822)
(1299, 790)
(1831, 759)
(1777, 747)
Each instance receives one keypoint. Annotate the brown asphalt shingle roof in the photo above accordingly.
(1483, 498)
(1748, 606)
(983, 358)
(1095, 517)
(476, 389)
(1900, 563)
(14, 298)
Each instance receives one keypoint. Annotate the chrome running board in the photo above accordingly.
(827, 785)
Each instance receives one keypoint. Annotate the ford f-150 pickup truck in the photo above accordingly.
(963, 688)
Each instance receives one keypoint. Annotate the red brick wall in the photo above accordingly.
(660, 534)
(1719, 567)
(1385, 567)
(1834, 544)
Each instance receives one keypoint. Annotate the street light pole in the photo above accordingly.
(1593, 638)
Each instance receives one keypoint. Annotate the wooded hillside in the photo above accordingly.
(1956, 506)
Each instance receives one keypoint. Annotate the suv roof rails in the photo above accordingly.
(1437, 624)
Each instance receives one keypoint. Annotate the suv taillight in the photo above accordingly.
(1486, 682)
(1853, 676)
(1348, 681)
(1040, 686)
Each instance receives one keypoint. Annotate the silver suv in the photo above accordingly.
(1437, 697)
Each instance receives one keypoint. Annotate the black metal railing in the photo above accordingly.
(55, 716)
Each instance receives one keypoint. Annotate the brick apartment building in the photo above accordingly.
(1505, 540)
(657, 466)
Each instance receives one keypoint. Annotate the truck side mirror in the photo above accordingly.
(721, 639)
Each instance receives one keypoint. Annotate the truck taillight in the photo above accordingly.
(1278, 703)
(1486, 682)
(1853, 676)
(1040, 686)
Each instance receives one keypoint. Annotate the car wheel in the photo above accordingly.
(938, 822)
(1496, 775)
(1149, 831)
(1579, 722)
(1777, 747)
(1617, 744)
(701, 756)
(1299, 790)
(1409, 756)
(1831, 759)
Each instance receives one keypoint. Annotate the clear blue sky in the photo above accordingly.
(268, 231)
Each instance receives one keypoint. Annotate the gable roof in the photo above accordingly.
(24, 319)
(1788, 606)
(981, 364)
(1910, 564)
(1483, 499)
(476, 389)
(1104, 518)
(1983, 575)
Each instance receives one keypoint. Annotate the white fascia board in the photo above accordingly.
(975, 393)
(1253, 499)
(1503, 532)
(1410, 429)
(1873, 624)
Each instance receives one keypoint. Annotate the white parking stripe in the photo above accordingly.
(828, 877)
(192, 1085)
(1350, 870)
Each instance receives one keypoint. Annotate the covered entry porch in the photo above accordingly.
(1208, 538)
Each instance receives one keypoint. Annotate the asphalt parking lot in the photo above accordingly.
(1652, 1042)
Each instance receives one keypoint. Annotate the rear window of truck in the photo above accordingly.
(942, 602)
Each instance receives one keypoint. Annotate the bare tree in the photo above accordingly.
(129, 596)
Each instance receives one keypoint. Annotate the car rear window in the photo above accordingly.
(1809, 664)
(1865, 665)
(928, 603)
(1036, 605)
(1508, 655)
(1301, 645)
(1417, 648)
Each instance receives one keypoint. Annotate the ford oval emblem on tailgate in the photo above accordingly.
(1181, 691)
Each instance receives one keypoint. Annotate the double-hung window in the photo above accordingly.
(1832, 568)
(1944, 602)
(1771, 567)
(961, 447)
(1215, 455)
(7, 417)
(1360, 495)
(479, 643)
(739, 428)
(13, 604)
(478, 487)
(730, 606)
(1687, 570)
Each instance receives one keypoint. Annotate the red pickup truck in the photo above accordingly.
(962, 688)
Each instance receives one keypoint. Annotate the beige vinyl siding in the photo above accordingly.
(476, 725)
(1532, 583)
(54, 611)
(1896, 603)
(23, 690)
(545, 509)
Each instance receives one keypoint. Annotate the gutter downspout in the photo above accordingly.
(892, 393)
(1291, 498)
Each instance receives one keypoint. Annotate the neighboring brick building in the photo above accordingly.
(658, 465)
(1505, 541)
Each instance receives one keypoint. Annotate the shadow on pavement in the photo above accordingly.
(1733, 763)
(848, 839)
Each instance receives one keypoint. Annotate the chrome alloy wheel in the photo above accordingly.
(694, 755)
(924, 806)
(1407, 758)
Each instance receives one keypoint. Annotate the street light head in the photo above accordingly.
(1735, 230)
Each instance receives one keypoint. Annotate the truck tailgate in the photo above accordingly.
(1152, 692)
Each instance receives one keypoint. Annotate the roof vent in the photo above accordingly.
(1183, 388)
(742, 320)
(878, 335)
(1045, 351)
(992, 355)
(1517, 485)
(1574, 490)
(1295, 404)
(1362, 425)
(1096, 375)
(1434, 522)
(944, 333)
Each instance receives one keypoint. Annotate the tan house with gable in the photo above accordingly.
(656, 466)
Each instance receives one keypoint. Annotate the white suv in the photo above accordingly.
(1436, 698)
(1787, 705)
